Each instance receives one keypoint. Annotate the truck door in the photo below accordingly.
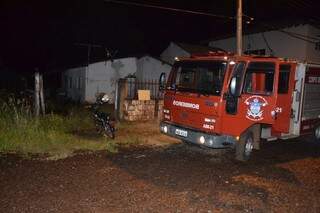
(284, 99)
(256, 99)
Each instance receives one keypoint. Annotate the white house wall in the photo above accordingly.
(282, 44)
(74, 83)
(173, 51)
(102, 76)
(313, 55)
(150, 68)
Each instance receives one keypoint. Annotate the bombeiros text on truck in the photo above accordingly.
(221, 100)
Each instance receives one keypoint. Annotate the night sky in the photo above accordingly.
(43, 33)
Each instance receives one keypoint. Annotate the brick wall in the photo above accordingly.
(135, 110)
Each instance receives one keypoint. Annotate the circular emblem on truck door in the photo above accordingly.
(255, 105)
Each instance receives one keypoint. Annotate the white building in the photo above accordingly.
(83, 83)
(183, 50)
(299, 42)
(150, 68)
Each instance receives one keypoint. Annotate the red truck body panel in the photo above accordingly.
(266, 97)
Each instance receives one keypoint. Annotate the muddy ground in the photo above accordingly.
(282, 177)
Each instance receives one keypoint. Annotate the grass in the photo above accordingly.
(52, 134)
(58, 135)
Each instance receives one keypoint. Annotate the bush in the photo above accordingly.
(21, 132)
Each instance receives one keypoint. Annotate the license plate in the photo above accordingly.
(182, 133)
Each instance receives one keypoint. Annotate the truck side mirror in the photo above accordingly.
(162, 81)
(233, 86)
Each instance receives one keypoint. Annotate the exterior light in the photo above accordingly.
(166, 111)
(202, 140)
(176, 58)
(232, 63)
(165, 129)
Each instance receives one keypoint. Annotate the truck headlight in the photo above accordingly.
(202, 140)
(165, 129)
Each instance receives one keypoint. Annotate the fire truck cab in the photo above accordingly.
(220, 100)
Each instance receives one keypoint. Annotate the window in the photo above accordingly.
(204, 77)
(259, 78)
(238, 73)
(79, 83)
(70, 82)
(186, 78)
(283, 84)
(65, 82)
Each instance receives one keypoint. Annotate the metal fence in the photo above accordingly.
(133, 85)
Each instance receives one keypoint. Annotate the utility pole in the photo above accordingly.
(239, 28)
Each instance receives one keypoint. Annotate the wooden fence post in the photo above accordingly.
(36, 93)
(43, 108)
(122, 94)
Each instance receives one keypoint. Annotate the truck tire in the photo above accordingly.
(317, 133)
(244, 146)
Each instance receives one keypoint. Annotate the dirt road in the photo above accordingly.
(282, 177)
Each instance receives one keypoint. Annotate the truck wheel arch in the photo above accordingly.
(316, 133)
(255, 129)
(249, 140)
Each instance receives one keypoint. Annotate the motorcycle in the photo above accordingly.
(102, 120)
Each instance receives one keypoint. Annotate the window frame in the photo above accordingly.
(265, 71)
(286, 80)
(171, 85)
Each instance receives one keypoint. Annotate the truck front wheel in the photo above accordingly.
(317, 133)
(244, 146)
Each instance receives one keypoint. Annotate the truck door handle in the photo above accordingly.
(274, 114)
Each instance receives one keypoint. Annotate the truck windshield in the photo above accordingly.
(204, 77)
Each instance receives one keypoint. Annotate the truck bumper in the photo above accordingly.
(197, 137)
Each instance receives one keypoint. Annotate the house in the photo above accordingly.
(149, 68)
(83, 83)
(300, 42)
(184, 50)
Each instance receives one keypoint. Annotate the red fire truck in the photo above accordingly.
(221, 100)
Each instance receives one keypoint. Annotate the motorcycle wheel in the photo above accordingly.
(108, 131)
(99, 127)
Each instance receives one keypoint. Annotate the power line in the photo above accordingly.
(301, 7)
(306, 38)
(267, 43)
(292, 34)
(300, 36)
(170, 9)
